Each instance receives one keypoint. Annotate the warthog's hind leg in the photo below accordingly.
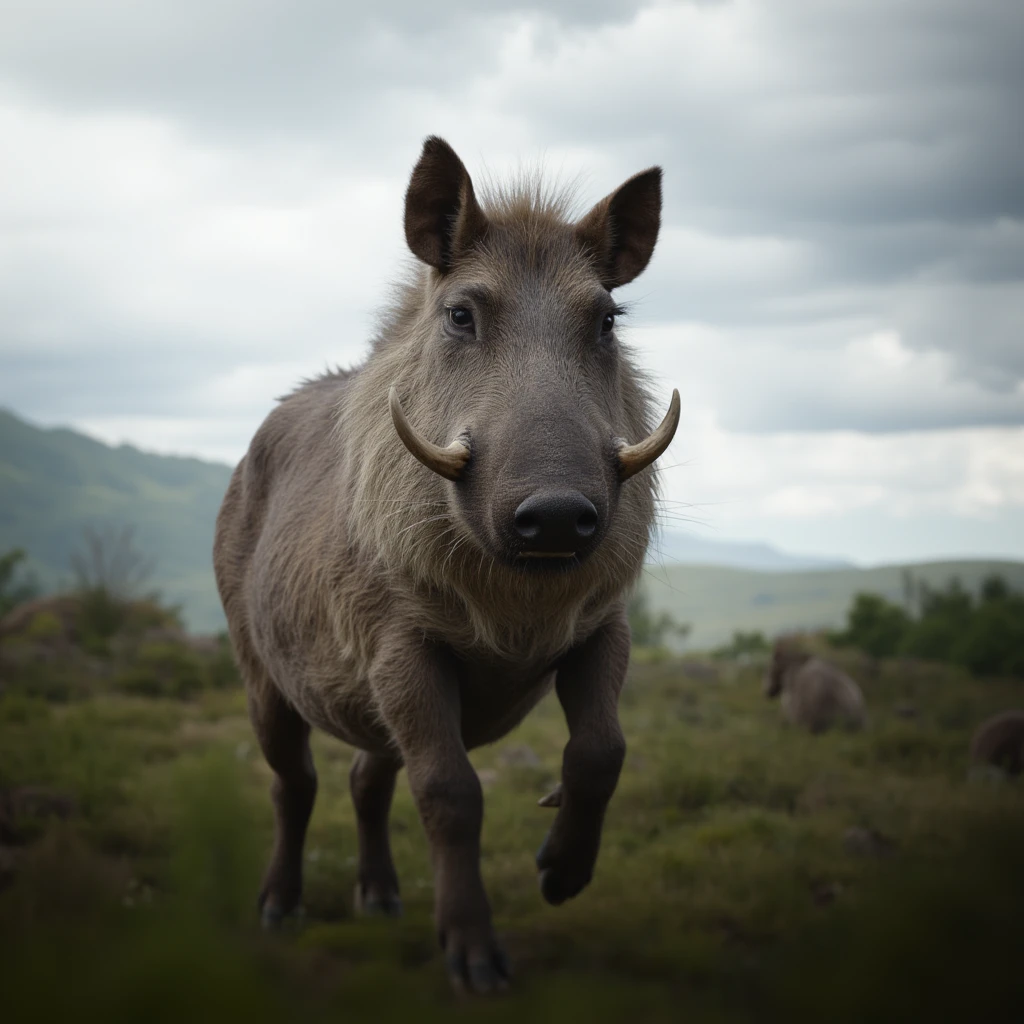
(284, 739)
(372, 783)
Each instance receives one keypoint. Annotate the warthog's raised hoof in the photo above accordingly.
(563, 874)
(558, 884)
(373, 902)
(475, 961)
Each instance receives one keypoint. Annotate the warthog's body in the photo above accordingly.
(814, 694)
(418, 612)
(999, 741)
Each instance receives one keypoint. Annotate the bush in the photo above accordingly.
(15, 587)
(650, 629)
(743, 645)
(875, 625)
(163, 670)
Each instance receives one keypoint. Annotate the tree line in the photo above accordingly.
(982, 632)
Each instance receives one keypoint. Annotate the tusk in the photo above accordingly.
(635, 457)
(447, 462)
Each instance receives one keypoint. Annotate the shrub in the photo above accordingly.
(650, 629)
(743, 645)
(163, 670)
(875, 625)
(15, 587)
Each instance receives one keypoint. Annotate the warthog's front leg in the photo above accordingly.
(416, 687)
(588, 683)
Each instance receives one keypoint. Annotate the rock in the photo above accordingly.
(825, 894)
(866, 842)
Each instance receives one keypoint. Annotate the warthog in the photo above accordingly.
(413, 552)
(999, 741)
(815, 695)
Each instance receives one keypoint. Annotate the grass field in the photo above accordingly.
(730, 886)
(717, 601)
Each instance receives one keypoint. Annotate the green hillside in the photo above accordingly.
(716, 601)
(54, 483)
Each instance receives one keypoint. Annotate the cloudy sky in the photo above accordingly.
(201, 202)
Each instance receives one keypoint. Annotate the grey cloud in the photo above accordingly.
(875, 137)
(261, 69)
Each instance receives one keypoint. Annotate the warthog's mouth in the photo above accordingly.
(546, 562)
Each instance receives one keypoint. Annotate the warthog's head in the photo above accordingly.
(786, 654)
(517, 389)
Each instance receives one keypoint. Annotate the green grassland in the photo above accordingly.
(717, 601)
(729, 886)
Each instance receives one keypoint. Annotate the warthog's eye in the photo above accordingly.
(608, 323)
(460, 318)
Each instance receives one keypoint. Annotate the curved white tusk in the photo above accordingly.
(447, 462)
(635, 457)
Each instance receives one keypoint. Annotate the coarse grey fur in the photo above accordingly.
(814, 694)
(398, 610)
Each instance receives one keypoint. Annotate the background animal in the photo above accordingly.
(999, 741)
(814, 694)
(418, 609)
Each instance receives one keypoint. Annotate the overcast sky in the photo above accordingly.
(201, 202)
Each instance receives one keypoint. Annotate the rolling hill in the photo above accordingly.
(56, 482)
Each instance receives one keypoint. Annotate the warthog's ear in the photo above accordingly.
(622, 229)
(442, 216)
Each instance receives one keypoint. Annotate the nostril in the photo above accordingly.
(586, 524)
(527, 525)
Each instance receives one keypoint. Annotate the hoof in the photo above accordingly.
(274, 919)
(555, 890)
(562, 878)
(476, 964)
(377, 904)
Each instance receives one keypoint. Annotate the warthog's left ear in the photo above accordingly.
(442, 216)
(622, 229)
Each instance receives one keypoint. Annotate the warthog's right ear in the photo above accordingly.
(442, 216)
(622, 229)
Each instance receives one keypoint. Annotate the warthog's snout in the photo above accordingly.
(554, 524)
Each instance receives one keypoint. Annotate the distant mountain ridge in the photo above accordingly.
(674, 546)
(54, 482)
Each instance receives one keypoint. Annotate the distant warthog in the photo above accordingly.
(815, 695)
(999, 741)
(419, 607)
